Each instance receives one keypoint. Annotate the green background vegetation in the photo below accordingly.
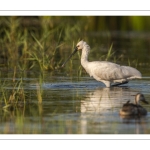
(43, 42)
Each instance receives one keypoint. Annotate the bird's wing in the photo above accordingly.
(106, 70)
(130, 72)
(128, 102)
(130, 109)
(111, 71)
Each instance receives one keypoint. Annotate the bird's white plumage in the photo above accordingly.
(104, 71)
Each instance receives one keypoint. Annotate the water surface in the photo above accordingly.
(77, 106)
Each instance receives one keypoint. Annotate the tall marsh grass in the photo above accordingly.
(30, 47)
(42, 42)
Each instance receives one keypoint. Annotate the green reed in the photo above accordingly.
(29, 49)
(32, 43)
(15, 96)
(110, 53)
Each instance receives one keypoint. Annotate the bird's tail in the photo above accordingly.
(131, 73)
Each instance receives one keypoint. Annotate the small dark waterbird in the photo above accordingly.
(104, 71)
(134, 109)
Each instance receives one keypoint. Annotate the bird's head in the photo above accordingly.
(80, 45)
(140, 97)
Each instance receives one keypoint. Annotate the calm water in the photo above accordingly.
(77, 106)
(81, 105)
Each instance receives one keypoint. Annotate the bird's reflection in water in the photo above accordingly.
(138, 123)
(102, 105)
(104, 99)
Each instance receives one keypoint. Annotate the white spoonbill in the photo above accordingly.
(104, 71)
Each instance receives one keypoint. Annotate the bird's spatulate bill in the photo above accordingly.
(75, 50)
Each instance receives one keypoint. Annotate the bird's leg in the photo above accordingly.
(107, 83)
(120, 83)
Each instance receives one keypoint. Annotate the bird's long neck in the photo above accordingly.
(136, 101)
(84, 56)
